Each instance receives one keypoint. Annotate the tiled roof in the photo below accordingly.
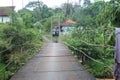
(4, 11)
(67, 23)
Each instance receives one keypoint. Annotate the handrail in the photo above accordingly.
(89, 56)
(13, 60)
(98, 45)
(14, 46)
(86, 30)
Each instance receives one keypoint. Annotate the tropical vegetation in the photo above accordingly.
(93, 34)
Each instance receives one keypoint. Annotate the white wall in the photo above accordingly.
(5, 19)
(0, 19)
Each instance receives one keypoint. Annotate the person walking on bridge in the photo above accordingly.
(117, 55)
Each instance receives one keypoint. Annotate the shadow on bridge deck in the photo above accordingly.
(53, 62)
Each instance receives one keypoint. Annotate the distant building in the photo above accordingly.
(65, 27)
(6, 14)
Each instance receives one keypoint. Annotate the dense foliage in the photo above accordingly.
(18, 42)
(93, 33)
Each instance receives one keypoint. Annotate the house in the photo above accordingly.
(65, 27)
(6, 14)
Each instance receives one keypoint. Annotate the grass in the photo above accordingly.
(3, 74)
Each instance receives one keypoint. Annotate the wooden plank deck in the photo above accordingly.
(53, 62)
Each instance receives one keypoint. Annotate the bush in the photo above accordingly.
(94, 48)
(17, 40)
(3, 74)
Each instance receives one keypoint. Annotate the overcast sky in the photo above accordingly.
(18, 3)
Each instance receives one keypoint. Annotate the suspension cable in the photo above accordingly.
(97, 45)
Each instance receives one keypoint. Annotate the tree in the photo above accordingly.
(86, 3)
(110, 13)
(86, 16)
(34, 4)
(67, 9)
(58, 10)
(27, 17)
(39, 10)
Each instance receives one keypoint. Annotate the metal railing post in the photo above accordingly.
(51, 30)
(59, 29)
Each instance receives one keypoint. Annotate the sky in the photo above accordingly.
(49, 3)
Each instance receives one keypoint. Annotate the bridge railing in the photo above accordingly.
(16, 63)
(82, 55)
(84, 40)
